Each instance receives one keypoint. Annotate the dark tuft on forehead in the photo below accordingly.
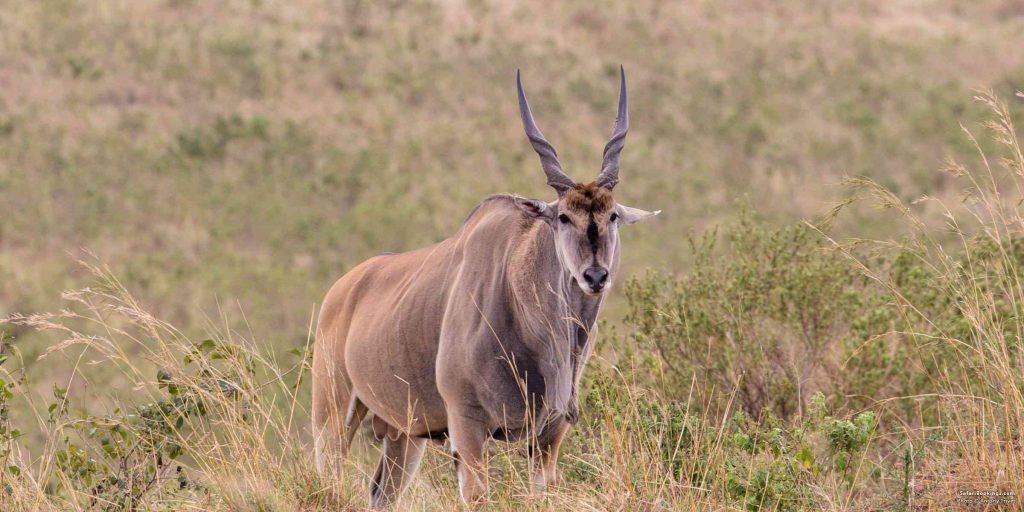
(590, 198)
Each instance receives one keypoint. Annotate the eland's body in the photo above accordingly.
(483, 335)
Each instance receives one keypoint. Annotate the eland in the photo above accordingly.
(481, 336)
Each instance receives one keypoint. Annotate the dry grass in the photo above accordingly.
(249, 450)
(977, 441)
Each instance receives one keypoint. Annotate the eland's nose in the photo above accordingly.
(595, 277)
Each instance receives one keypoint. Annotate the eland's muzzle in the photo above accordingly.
(596, 277)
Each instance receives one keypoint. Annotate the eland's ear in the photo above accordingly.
(631, 215)
(536, 209)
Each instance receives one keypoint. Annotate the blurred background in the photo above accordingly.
(229, 160)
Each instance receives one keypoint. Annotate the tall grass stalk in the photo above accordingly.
(976, 261)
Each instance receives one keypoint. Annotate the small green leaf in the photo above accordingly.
(163, 376)
(173, 450)
(806, 458)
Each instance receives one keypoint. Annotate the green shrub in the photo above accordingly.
(760, 319)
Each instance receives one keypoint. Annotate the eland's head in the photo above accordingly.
(585, 217)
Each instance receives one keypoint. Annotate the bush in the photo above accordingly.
(912, 342)
(762, 319)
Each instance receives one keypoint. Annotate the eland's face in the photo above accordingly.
(586, 236)
(586, 218)
(586, 221)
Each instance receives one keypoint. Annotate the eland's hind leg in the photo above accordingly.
(399, 461)
(337, 412)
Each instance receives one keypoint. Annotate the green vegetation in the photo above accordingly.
(197, 175)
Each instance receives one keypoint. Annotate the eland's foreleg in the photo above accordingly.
(468, 434)
(399, 461)
(544, 457)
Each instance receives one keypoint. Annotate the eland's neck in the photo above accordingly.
(551, 302)
(555, 319)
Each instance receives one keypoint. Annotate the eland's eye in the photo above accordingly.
(564, 219)
(614, 217)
